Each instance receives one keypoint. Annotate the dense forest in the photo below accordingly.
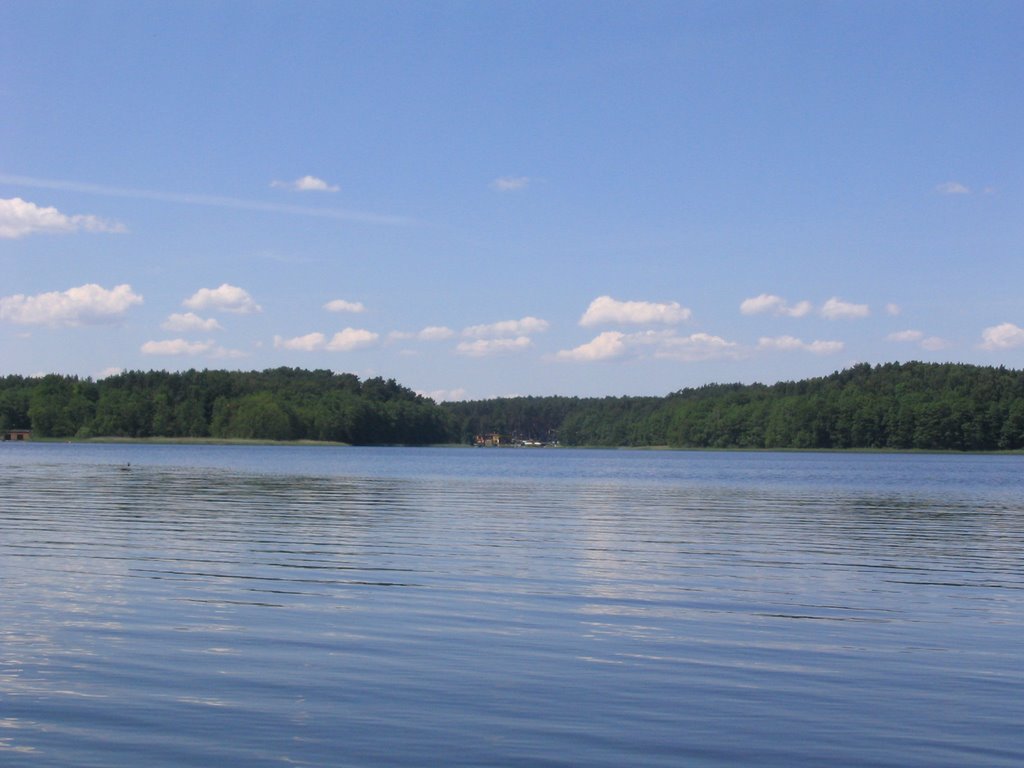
(278, 404)
(901, 406)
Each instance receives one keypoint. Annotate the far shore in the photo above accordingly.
(324, 443)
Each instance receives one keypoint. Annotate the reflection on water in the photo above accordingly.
(256, 606)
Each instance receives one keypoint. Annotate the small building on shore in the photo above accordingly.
(17, 435)
(488, 440)
(495, 440)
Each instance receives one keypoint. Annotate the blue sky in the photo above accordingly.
(484, 199)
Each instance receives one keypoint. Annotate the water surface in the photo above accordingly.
(264, 606)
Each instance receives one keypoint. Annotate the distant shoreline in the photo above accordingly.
(208, 441)
(916, 407)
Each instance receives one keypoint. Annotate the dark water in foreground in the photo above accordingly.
(227, 606)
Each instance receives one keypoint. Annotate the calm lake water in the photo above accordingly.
(265, 606)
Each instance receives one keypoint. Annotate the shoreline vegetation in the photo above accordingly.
(895, 407)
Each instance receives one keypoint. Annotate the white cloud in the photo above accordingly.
(343, 341)
(226, 298)
(833, 309)
(603, 347)
(351, 338)
(893, 309)
(305, 184)
(952, 188)
(931, 343)
(697, 346)
(106, 373)
(510, 183)
(799, 309)
(86, 304)
(934, 343)
(780, 342)
(435, 333)
(520, 327)
(341, 305)
(790, 343)
(307, 343)
(825, 347)
(765, 302)
(605, 309)
(1004, 336)
(837, 309)
(430, 333)
(777, 305)
(19, 218)
(905, 336)
(190, 322)
(486, 347)
(663, 344)
(177, 347)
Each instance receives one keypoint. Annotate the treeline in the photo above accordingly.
(277, 404)
(901, 406)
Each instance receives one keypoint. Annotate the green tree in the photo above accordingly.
(259, 416)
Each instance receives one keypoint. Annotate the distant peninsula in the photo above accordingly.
(897, 406)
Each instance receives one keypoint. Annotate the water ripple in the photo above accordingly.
(408, 608)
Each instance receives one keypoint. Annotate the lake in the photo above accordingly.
(315, 606)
